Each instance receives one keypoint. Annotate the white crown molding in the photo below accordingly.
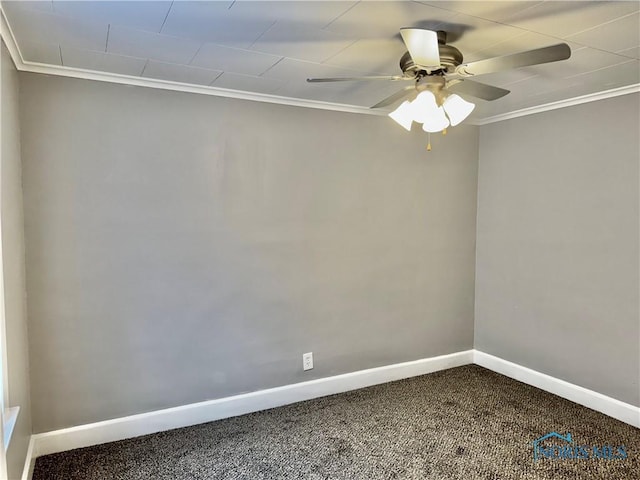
(622, 411)
(189, 88)
(33, 67)
(569, 102)
(10, 41)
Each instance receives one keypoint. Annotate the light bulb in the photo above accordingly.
(403, 115)
(457, 108)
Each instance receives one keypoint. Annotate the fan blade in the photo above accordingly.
(356, 79)
(394, 97)
(422, 45)
(554, 53)
(477, 89)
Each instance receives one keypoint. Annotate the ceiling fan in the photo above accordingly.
(437, 68)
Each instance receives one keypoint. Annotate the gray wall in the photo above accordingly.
(14, 267)
(183, 248)
(557, 257)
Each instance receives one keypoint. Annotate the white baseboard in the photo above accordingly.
(196, 413)
(30, 461)
(622, 411)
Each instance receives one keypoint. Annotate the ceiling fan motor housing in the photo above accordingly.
(450, 56)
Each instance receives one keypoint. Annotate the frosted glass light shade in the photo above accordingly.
(457, 109)
(424, 106)
(426, 111)
(436, 122)
(403, 115)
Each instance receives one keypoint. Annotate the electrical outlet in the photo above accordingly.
(307, 361)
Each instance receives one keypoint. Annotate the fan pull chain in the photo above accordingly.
(429, 143)
(444, 131)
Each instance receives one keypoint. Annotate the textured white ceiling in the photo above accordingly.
(272, 47)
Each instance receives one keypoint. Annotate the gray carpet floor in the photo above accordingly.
(464, 423)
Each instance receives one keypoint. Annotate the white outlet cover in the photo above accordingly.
(307, 361)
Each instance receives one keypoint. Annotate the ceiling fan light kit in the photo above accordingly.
(434, 118)
(438, 73)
